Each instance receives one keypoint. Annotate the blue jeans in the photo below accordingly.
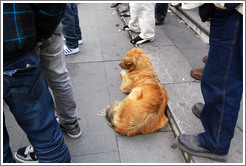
(70, 26)
(161, 11)
(222, 81)
(26, 93)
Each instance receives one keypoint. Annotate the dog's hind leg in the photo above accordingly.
(136, 93)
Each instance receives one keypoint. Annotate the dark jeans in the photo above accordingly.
(26, 93)
(70, 26)
(222, 81)
(161, 11)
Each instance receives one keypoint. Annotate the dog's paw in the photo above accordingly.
(123, 90)
(123, 73)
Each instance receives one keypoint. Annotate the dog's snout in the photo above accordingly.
(122, 64)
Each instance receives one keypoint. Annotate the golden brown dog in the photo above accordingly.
(143, 110)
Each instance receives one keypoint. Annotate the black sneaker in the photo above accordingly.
(125, 14)
(126, 28)
(72, 130)
(114, 5)
(26, 155)
(139, 40)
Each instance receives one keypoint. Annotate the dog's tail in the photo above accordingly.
(110, 113)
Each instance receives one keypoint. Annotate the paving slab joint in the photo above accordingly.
(176, 131)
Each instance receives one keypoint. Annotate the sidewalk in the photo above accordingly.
(95, 75)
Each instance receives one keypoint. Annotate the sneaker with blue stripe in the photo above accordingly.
(69, 51)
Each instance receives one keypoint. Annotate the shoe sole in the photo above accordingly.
(71, 53)
(197, 78)
(74, 136)
(215, 157)
(24, 161)
(64, 130)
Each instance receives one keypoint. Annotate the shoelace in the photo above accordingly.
(29, 149)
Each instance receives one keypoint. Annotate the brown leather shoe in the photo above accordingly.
(197, 73)
(205, 59)
(158, 22)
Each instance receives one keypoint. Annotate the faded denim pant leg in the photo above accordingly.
(222, 81)
(70, 26)
(26, 93)
(55, 70)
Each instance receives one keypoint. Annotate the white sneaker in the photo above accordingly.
(80, 41)
(69, 51)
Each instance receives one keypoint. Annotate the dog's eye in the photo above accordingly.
(128, 64)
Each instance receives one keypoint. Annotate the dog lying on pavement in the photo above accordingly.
(143, 110)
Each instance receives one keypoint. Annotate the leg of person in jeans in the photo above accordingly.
(7, 154)
(160, 13)
(222, 86)
(54, 68)
(77, 27)
(26, 93)
(219, 115)
(71, 29)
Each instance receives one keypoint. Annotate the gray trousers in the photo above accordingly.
(54, 67)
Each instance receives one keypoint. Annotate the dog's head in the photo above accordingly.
(131, 57)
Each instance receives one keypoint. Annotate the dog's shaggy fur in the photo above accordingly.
(143, 110)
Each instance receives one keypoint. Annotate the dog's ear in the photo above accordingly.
(137, 51)
(129, 64)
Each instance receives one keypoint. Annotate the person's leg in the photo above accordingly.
(54, 68)
(78, 31)
(7, 154)
(222, 82)
(134, 22)
(69, 26)
(28, 97)
(161, 11)
(56, 73)
(146, 16)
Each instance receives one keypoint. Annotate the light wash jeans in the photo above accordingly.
(55, 70)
